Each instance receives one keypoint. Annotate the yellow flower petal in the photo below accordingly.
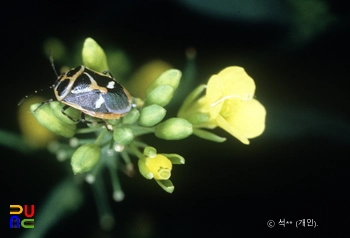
(215, 91)
(160, 166)
(231, 82)
(245, 120)
(236, 80)
(229, 104)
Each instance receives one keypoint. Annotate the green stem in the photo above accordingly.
(87, 130)
(129, 166)
(135, 150)
(140, 144)
(140, 130)
(84, 141)
(104, 210)
(100, 137)
(125, 157)
(118, 194)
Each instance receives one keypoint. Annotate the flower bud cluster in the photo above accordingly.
(120, 135)
(228, 103)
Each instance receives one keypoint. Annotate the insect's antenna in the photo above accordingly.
(37, 91)
(26, 97)
(52, 63)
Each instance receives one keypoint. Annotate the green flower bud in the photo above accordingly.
(123, 135)
(48, 119)
(132, 116)
(85, 158)
(93, 56)
(75, 114)
(161, 95)
(151, 115)
(174, 129)
(170, 77)
(150, 151)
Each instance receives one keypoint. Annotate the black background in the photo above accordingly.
(297, 169)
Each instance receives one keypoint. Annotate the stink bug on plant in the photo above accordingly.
(96, 94)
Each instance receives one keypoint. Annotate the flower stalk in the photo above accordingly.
(226, 101)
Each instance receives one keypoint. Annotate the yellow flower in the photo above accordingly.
(36, 135)
(157, 167)
(231, 106)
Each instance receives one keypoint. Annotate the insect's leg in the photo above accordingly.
(108, 127)
(64, 108)
(42, 103)
(91, 122)
(83, 120)
(108, 72)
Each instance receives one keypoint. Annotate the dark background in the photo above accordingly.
(298, 56)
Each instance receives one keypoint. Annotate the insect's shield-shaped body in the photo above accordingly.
(95, 94)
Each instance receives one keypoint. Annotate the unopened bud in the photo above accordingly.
(72, 115)
(85, 158)
(151, 115)
(123, 135)
(48, 119)
(170, 77)
(161, 95)
(93, 56)
(174, 129)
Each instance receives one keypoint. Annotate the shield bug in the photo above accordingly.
(96, 94)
